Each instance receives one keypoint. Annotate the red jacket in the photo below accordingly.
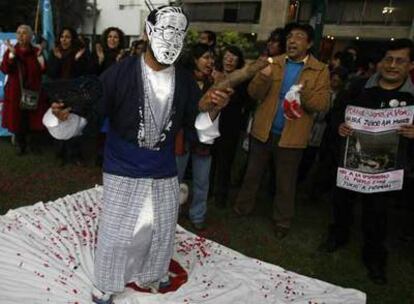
(32, 76)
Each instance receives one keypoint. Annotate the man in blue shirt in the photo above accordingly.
(274, 135)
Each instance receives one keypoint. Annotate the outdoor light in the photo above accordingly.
(253, 34)
(392, 39)
(357, 37)
(332, 37)
(387, 10)
(329, 37)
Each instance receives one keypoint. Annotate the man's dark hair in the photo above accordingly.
(347, 61)
(302, 27)
(278, 35)
(136, 43)
(399, 44)
(152, 17)
(211, 37)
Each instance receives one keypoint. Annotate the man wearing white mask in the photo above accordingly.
(147, 99)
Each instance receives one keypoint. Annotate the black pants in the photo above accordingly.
(407, 199)
(70, 150)
(374, 222)
(21, 135)
(224, 154)
(308, 159)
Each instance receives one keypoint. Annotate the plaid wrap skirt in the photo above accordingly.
(136, 231)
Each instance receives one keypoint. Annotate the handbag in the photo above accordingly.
(29, 99)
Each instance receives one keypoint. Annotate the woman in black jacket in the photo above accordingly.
(233, 120)
(67, 61)
(109, 51)
(200, 62)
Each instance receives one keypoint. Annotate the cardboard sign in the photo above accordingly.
(368, 182)
(378, 120)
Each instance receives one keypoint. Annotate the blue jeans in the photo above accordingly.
(201, 173)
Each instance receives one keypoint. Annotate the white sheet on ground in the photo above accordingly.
(46, 256)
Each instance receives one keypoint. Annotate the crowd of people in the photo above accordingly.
(286, 146)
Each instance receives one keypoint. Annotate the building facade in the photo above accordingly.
(245, 16)
(344, 19)
(128, 15)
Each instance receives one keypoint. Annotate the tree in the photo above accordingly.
(20, 12)
(68, 13)
(191, 37)
(65, 13)
(228, 38)
(240, 40)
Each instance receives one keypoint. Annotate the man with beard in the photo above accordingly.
(147, 99)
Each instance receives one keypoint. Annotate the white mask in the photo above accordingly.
(166, 37)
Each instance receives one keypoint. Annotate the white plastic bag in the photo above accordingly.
(291, 104)
(64, 130)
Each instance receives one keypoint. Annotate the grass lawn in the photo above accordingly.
(29, 179)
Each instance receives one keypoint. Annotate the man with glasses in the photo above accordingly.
(390, 87)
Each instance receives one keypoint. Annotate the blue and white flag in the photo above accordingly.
(3, 78)
(47, 24)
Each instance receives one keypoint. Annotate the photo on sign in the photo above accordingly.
(371, 152)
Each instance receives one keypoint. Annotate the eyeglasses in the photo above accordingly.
(169, 33)
(398, 61)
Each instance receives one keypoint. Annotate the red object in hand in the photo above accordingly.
(178, 276)
(292, 109)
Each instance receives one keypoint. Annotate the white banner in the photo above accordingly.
(371, 161)
(378, 120)
(369, 183)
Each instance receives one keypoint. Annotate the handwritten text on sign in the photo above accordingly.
(378, 120)
(370, 183)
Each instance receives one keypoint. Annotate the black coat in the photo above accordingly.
(123, 99)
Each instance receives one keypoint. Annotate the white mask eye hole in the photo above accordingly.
(169, 33)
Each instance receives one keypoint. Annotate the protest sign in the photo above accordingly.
(371, 160)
